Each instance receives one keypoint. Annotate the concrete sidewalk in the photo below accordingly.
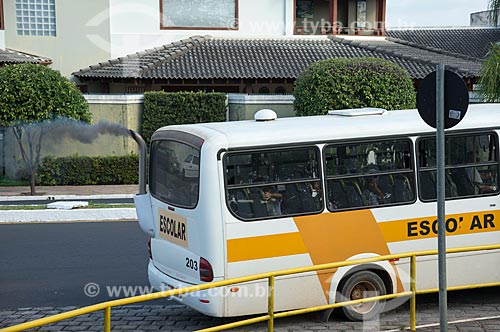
(24, 191)
(75, 193)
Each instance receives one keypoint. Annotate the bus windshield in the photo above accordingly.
(175, 173)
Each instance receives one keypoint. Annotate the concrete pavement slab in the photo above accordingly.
(92, 190)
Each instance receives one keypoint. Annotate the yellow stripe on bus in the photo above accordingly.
(426, 227)
(265, 247)
(335, 237)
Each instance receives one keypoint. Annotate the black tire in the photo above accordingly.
(354, 287)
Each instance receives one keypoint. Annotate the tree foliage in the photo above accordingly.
(352, 83)
(31, 97)
(494, 6)
(489, 83)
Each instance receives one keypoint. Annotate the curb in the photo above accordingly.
(52, 215)
(64, 197)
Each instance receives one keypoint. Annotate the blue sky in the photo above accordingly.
(419, 13)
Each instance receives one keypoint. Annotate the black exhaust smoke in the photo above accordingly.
(87, 133)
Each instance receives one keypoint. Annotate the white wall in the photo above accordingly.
(2, 39)
(82, 35)
(135, 25)
(481, 19)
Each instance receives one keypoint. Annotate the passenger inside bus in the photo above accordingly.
(372, 193)
(478, 179)
(273, 200)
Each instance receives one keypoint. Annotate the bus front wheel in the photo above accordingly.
(361, 285)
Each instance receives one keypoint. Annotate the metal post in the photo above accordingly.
(107, 319)
(440, 156)
(270, 304)
(413, 289)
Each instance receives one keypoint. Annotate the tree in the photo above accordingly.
(352, 83)
(494, 6)
(489, 83)
(32, 97)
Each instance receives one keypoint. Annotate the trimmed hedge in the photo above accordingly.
(353, 83)
(80, 170)
(173, 108)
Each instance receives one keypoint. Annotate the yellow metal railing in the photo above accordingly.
(270, 276)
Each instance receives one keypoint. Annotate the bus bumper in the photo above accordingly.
(209, 302)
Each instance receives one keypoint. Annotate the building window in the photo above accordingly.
(319, 17)
(2, 26)
(281, 90)
(191, 14)
(264, 90)
(135, 89)
(36, 17)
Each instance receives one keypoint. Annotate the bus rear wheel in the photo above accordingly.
(361, 285)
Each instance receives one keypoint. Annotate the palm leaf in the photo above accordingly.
(494, 6)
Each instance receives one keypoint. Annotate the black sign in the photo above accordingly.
(456, 99)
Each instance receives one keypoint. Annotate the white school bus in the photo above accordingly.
(233, 199)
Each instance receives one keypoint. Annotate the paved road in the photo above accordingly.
(50, 264)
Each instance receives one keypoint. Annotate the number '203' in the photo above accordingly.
(191, 264)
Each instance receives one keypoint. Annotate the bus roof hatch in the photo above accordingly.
(359, 111)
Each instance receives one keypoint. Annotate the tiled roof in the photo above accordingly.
(466, 42)
(204, 57)
(469, 67)
(10, 57)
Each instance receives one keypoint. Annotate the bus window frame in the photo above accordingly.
(365, 140)
(479, 132)
(223, 154)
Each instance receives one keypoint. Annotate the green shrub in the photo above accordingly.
(80, 170)
(352, 83)
(173, 108)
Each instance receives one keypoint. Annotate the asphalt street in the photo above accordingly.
(50, 264)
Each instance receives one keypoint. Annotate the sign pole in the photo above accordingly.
(440, 189)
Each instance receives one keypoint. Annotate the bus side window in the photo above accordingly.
(337, 196)
(283, 182)
(378, 173)
(470, 166)
(354, 194)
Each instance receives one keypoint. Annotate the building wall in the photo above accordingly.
(93, 31)
(2, 39)
(256, 18)
(481, 19)
(82, 35)
(244, 107)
